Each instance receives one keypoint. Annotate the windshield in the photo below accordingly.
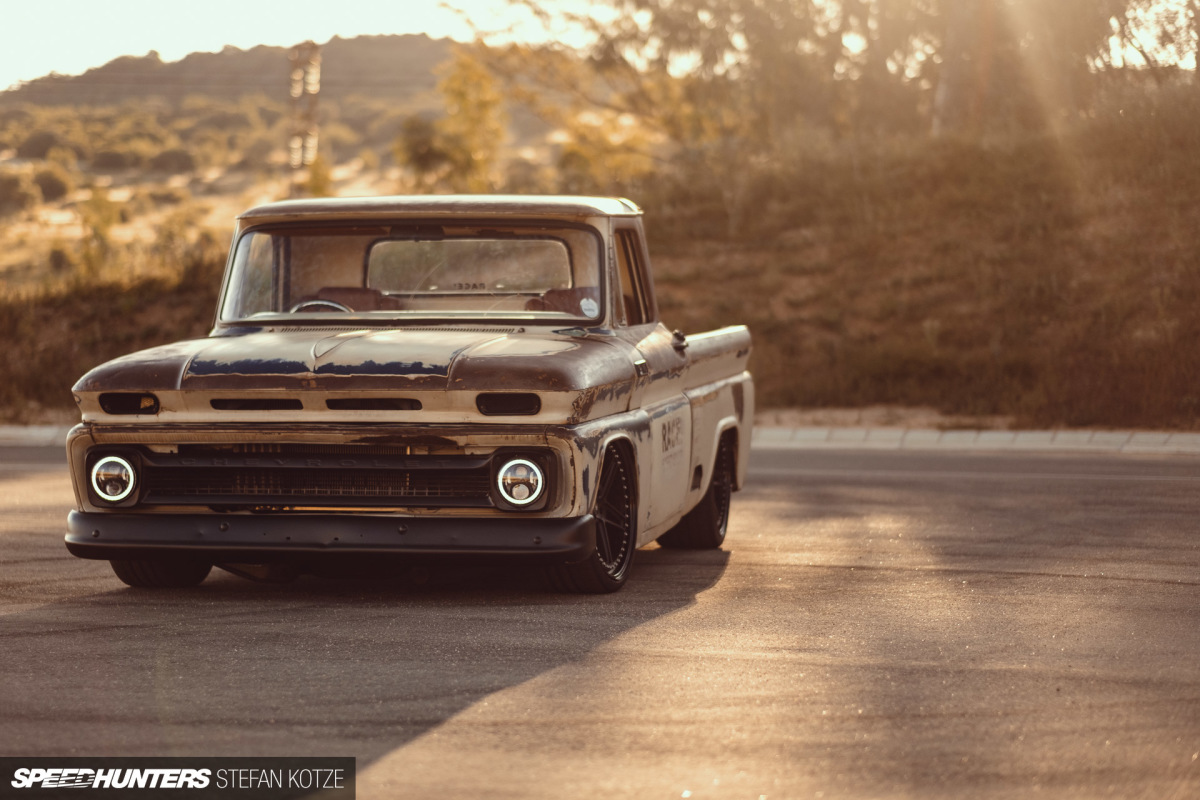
(384, 272)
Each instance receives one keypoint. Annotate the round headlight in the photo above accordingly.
(520, 482)
(113, 479)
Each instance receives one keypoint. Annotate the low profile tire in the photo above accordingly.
(607, 568)
(161, 574)
(703, 528)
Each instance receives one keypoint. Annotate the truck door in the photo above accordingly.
(661, 363)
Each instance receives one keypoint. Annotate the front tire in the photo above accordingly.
(704, 527)
(615, 512)
(160, 573)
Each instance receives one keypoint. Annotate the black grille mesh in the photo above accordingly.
(352, 478)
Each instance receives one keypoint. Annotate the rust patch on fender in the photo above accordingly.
(585, 401)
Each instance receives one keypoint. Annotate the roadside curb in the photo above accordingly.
(33, 435)
(1133, 442)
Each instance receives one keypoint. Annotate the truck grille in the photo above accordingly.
(285, 475)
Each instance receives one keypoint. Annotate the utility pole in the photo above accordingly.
(305, 61)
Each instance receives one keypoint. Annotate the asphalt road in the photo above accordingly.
(887, 624)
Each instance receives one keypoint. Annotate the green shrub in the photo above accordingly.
(175, 161)
(54, 182)
(69, 330)
(115, 160)
(38, 144)
(168, 196)
(18, 193)
(256, 155)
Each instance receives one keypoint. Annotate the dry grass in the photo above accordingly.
(59, 333)
(1054, 281)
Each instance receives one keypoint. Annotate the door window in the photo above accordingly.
(629, 273)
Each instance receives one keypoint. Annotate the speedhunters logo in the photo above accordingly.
(75, 778)
(249, 778)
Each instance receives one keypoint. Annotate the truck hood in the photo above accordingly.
(371, 360)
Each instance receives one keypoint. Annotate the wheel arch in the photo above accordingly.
(732, 434)
(729, 430)
(629, 450)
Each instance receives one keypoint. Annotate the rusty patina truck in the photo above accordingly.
(390, 378)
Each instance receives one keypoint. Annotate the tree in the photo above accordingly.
(175, 160)
(1160, 34)
(99, 215)
(38, 144)
(54, 181)
(460, 151)
(705, 71)
(1020, 63)
(418, 148)
(757, 71)
(966, 58)
(603, 153)
(320, 178)
(18, 193)
(472, 132)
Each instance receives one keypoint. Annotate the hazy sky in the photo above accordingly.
(72, 36)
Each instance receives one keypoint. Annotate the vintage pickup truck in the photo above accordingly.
(397, 377)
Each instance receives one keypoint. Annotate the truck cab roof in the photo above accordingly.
(434, 206)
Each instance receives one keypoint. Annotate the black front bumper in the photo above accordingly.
(264, 538)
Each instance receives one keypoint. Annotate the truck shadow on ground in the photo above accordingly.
(315, 667)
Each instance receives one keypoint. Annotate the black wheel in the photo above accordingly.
(616, 533)
(172, 573)
(703, 528)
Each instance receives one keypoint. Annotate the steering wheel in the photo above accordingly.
(318, 304)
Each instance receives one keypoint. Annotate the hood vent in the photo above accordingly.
(508, 404)
(372, 404)
(257, 404)
(121, 403)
